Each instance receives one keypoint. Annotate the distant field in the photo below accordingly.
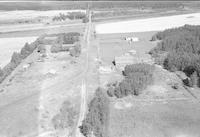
(38, 5)
(9, 45)
(149, 24)
(28, 14)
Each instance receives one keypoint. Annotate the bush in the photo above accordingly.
(97, 117)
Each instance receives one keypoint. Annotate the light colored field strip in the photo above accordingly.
(149, 24)
(18, 28)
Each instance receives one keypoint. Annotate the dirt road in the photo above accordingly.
(83, 87)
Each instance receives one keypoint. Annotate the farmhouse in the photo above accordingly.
(131, 39)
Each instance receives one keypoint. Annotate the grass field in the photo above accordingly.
(153, 119)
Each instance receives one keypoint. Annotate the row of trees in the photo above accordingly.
(179, 50)
(71, 16)
(136, 78)
(95, 122)
(17, 58)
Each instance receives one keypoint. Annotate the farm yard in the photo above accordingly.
(82, 75)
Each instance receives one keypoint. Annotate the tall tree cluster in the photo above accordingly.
(136, 78)
(182, 49)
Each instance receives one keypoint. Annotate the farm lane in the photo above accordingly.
(84, 81)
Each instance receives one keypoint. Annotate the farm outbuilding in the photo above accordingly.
(131, 39)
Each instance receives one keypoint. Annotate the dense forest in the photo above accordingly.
(179, 50)
(95, 122)
(136, 78)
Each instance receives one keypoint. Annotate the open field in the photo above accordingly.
(149, 24)
(154, 119)
(9, 45)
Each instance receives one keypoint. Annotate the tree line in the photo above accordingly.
(17, 57)
(95, 122)
(179, 50)
(71, 16)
